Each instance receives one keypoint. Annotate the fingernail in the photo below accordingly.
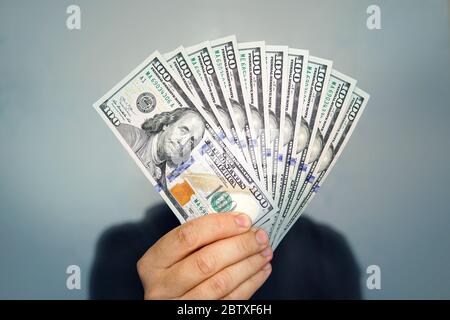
(266, 252)
(261, 237)
(243, 220)
(267, 268)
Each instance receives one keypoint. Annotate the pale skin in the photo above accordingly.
(217, 256)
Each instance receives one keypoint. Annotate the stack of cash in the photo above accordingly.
(226, 126)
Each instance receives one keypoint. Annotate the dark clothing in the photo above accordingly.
(312, 262)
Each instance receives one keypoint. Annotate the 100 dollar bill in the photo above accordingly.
(177, 145)
(254, 72)
(277, 72)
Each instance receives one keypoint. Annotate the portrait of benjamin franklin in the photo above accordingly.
(239, 115)
(325, 159)
(288, 130)
(273, 126)
(224, 117)
(166, 139)
(257, 119)
(316, 148)
(302, 136)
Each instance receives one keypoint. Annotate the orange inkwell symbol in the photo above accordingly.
(182, 192)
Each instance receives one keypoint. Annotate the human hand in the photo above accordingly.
(217, 256)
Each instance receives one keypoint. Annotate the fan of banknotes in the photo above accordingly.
(227, 126)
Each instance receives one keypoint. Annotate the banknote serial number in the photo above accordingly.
(226, 310)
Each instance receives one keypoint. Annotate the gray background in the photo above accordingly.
(64, 178)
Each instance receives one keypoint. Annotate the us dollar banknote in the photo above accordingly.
(177, 145)
(277, 71)
(297, 61)
(226, 57)
(204, 65)
(254, 72)
(317, 77)
(340, 135)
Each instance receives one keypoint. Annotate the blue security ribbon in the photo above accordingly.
(180, 169)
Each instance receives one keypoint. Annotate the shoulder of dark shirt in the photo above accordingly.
(324, 255)
(139, 235)
(113, 272)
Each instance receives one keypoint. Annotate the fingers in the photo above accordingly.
(227, 280)
(195, 234)
(209, 260)
(248, 288)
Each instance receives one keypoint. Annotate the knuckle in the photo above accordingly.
(254, 264)
(217, 223)
(220, 223)
(205, 263)
(187, 235)
(244, 245)
(220, 284)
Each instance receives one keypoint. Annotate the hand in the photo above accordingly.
(217, 256)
